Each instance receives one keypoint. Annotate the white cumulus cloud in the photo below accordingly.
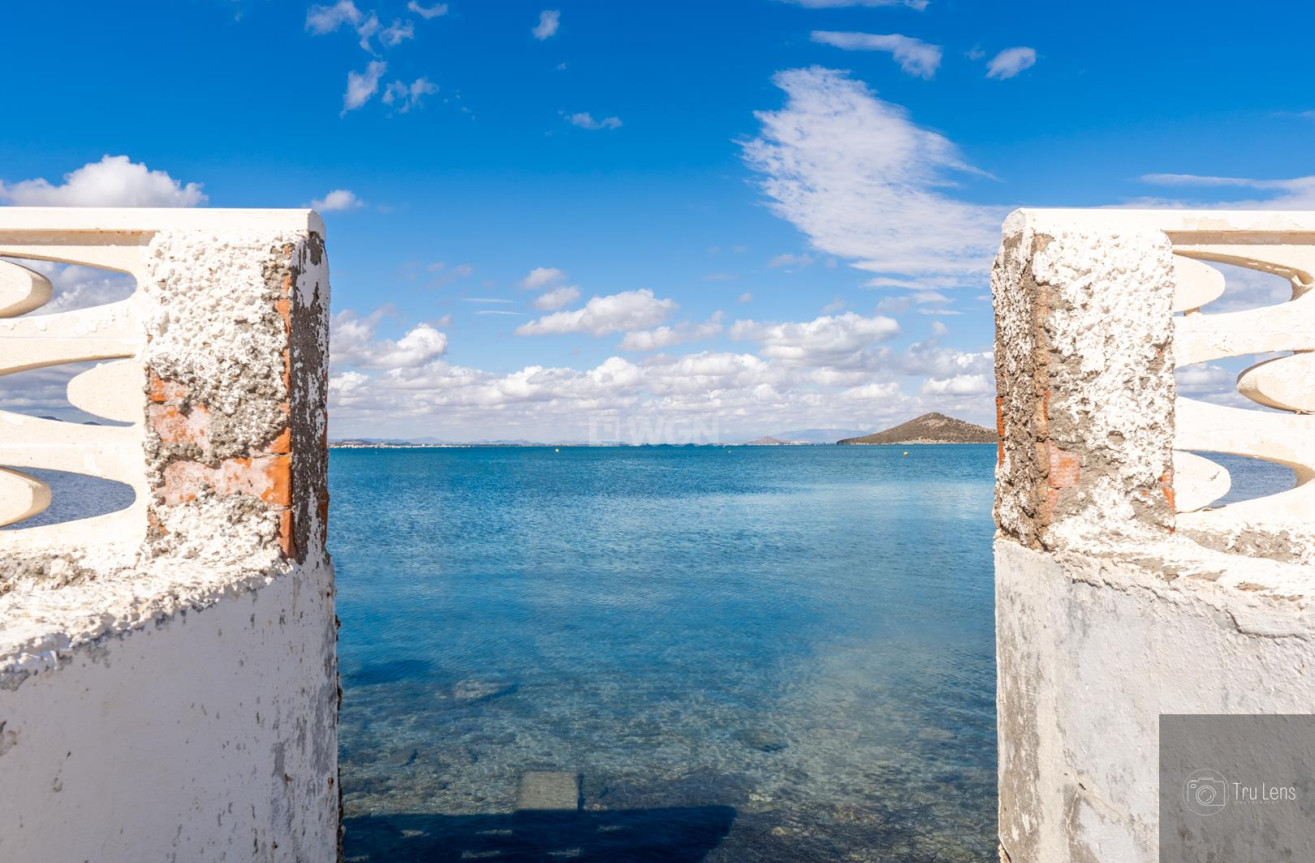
(665, 337)
(114, 181)
(337, 201)
(914, 56)
(959, 385)
(557, 298)
(629, 310)
(354, 344)
(830, 340)
(542, 277)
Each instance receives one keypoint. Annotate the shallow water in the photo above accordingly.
(748, 654)
(761, 654)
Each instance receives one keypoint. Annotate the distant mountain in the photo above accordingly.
(929, 428)
(773, 441)
(818, 435)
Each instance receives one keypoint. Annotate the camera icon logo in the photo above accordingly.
(1205, 792)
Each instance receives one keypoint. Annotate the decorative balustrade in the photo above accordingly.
(204, 372)
(1091, 307)
(1286, 384)
(184, 645)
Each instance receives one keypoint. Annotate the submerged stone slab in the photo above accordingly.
(542, 791)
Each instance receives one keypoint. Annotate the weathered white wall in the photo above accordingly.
(168, 679)
(1116, 601)
(1092, 649)
(210, 736)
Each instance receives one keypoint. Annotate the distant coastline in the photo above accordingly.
(928, 429)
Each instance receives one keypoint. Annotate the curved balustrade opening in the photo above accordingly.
(73, 286)
(1244, 288)
(44, 394)
(71, 381)
(74, 496)
(1245, 308)
(1250, 478)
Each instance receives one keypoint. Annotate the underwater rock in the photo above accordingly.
(761, 739)
(476, 691)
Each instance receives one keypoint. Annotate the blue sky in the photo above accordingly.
(805, 195)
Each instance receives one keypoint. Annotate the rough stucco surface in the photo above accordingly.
(1105, 617)
(208, 736)
(178, 700)
(1085, 377)
(220, 460)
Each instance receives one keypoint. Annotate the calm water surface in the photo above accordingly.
(761, 654)
(748, 654)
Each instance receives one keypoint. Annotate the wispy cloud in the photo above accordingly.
(629, 310)
(1010, 63)
(337, 201)
(397, 33)
(915, 56)
(586, 121)
(114, 181)
(549, 21)
(407, 96)
(789, 260)
(866, 183)
(326, 19)
(362, 86)
(438, 10)
(321, 20)
(1297, 193)
(918, 5)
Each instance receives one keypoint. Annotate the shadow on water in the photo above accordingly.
(674, 835)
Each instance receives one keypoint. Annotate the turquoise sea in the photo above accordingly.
(775, 654)
(745, 654)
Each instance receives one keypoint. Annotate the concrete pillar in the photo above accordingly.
(168, 675)
(1108, 614)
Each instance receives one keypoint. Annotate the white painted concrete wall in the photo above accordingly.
(1091, 651)
(1121, 594)
(168, 676)
(209, 736)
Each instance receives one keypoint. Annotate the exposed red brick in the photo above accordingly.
(162, 391)
(268, 478)
(282, 443)
(173, 426)
(287, 534)
(278, 473)
(1065, 467)
(1166, 486)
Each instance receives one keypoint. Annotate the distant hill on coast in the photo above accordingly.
(928, 428)
(774, 441)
